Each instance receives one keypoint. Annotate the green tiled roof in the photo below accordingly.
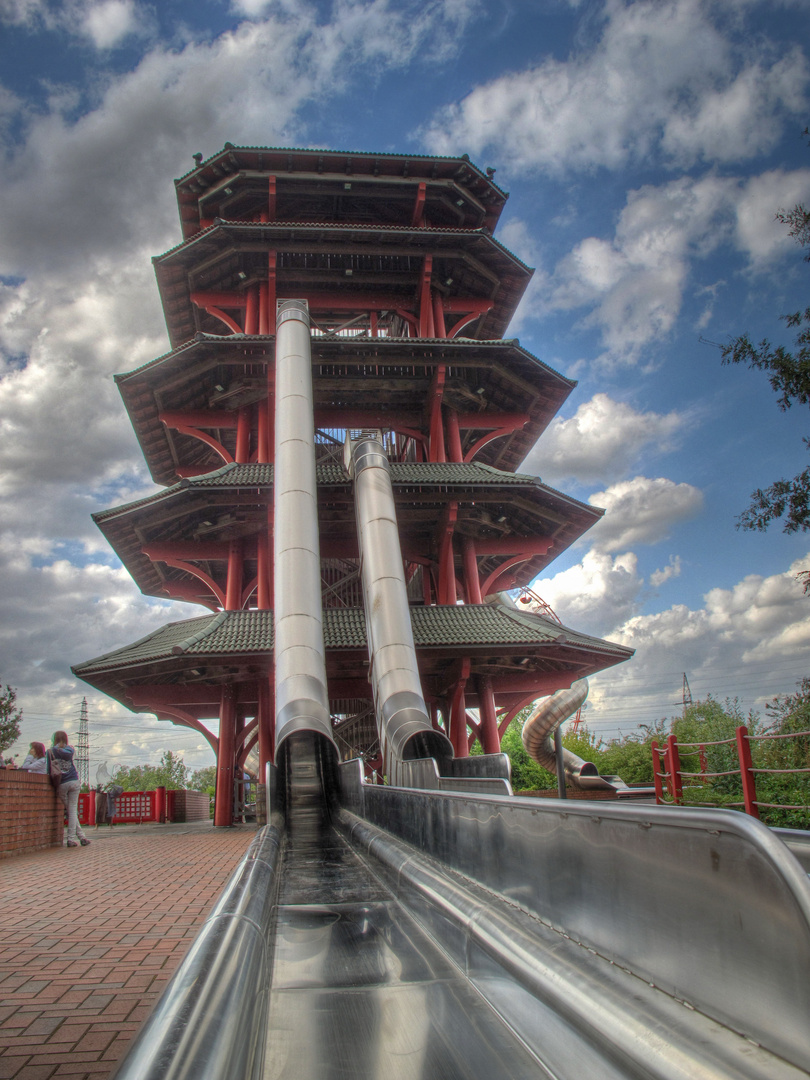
(380, 344)
(250, 632)
(329, 153)
(330, 473)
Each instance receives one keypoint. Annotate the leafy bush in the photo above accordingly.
(706, 735)
(708, 722)
(171, 773)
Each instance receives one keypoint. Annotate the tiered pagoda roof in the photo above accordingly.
(197, 518)
(201, 653)
(409, 296)
(384, 378)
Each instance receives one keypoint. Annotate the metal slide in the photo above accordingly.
(430, 930)
(538, 739)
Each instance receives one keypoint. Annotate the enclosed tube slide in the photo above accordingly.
(302, 700)
(402, 718)
(538, 739)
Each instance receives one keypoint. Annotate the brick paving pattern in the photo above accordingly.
(90, 936)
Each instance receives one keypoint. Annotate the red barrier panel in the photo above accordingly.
(131, 807)
(134, 807)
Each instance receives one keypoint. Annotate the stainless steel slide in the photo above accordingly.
(375, 931)
(538, 740)
(430, 930)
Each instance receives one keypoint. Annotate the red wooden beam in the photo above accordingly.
(367, 418)
(540, 683)
(203, 695)
(489, 421)
(203, 418)
(208, 550)
(418, 216)
(514, 545)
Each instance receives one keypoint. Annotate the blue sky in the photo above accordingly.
(646, 147)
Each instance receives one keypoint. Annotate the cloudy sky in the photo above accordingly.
(646, 147)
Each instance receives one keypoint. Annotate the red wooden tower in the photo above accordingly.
(409, 296)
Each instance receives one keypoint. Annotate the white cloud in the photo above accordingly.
(22, 12)
(596, 595)
(641, 511)
(757, 233)
(88, 200)
(601, 441)
(109, 22)
(748, 641)
(662, 82)
(104, 23)
(666, 573)
(632, 285)
(85, 208)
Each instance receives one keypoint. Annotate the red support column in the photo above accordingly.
(439, 328)
(271, 198)
(749, 784)
(436, 450)
(447, 574)
(458, 720)
(472, 582)
(425, 301)
(233, 589)
(488, 734)
(674, 770)
(223, 805)
(454, 437)
(252, 310)
(264, 324)
(242, 454)
(270, 296)
(160, 805)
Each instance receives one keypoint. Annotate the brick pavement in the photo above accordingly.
(90, 936)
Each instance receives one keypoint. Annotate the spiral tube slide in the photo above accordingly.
(538, 737)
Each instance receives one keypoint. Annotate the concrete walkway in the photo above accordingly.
(90, 936)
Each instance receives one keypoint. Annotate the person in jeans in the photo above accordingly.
(68, 790)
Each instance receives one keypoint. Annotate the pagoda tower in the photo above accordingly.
(408, 296)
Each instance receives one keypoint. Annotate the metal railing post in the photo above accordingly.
(749, 784)
(659, 787)
(675, 770)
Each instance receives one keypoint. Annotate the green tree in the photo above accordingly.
(171, 773)
(788, 719)
(708, 722)
(205, 779)
(630, 757)
(10, 717)
(789, 375)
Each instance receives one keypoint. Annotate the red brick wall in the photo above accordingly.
(191, 806)
(31, 815)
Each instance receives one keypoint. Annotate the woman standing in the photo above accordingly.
(35, 760)
(68, 790)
